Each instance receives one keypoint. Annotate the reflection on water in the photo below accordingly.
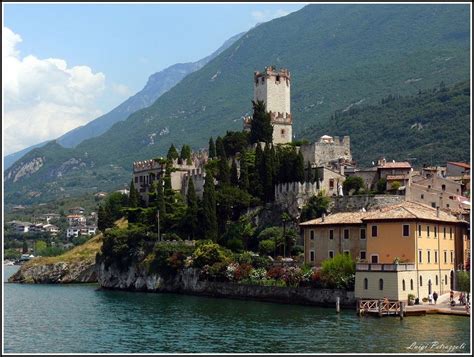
(83, 318)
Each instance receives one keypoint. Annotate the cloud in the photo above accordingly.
(121, 89)
(44, 98)
(267, 15)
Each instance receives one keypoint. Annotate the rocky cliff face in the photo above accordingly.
(56, 273)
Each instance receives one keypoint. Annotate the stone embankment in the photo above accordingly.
(187, 282)
(56, 273)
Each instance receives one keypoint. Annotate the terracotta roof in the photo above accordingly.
(338, 218)
(397, 177)
(75, 216)
(460, 164)
(396, 165)
(400, 211)
(410, 210)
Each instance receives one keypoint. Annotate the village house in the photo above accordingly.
(76, 219)
(401, 249)
(76, 210)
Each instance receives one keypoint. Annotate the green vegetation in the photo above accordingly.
(353, 184)
(316, 206)
(339, 272)
(463, 281)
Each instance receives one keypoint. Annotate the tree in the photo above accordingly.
(309, 173)
(185, 155)
(266, 247)
(234, 175)
(220, 149)
(24, 247)
(396, 185)
(299, 167)
(354, 183)
(381, 185)
(134, 198)
(316, 206)
(261, 129)
(244, 173)
(160, 197)
(224, 173)
(256, 184)
(172, 153)
(192, 209)
(266, 174)
(235, 142)
(209, 209)
(212, 149)
(104, 219)
(339, 272)
(463, 281)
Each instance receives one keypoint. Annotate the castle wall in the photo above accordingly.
(282, 133)
(321, 152)
(275, 94)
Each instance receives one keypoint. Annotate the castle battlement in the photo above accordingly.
(271, 71)
(146, 165)
(281, 118)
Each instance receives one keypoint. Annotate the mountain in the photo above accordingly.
(340, 56)
(157, 84)
(431, 127)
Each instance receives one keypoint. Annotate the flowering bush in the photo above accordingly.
(258, 274)
(276, 272)
(292, 276)
(242, 272)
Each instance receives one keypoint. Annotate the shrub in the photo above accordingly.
(463, 281)
(266, 247)
(209, 253)
(245, 257)
(338, 272)
(292, 276)
(261, 262)
(276, 272)
(168, 258)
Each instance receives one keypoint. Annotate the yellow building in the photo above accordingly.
(408, 248)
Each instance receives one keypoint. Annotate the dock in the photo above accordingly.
(381, 308)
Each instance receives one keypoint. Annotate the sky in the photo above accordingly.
(64, 65)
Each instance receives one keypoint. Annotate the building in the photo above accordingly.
(21, 227)
(76, 219)
(328, 150)
(145, 173)
(76, 210)
(49, 216)
(73, 232)
(457, 169)
(401, 249)
(273, 88)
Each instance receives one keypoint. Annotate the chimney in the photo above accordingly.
(437, 211)
(323, 217)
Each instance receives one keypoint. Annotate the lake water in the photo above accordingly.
(84, 319)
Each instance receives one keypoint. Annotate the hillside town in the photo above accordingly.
(407, 228)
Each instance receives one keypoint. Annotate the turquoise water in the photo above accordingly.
(84, 319)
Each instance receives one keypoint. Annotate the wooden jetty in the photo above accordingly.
(381, 308)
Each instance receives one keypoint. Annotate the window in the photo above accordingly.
(436, 256)
(428, 231)
(346, 233)
(374, 258)
(443, 187)
(419, 230)
(374, 231)
(380, 284)
(420, 256)
(331, 234)
(403, 285)
(436, 279)
(429, 256)
(363, 255)
(421, 280)
(347, 252)
(433, 204)
(311, 234)
(311, 255)
(452, 254)
(282, 133)
(331, 254)
(444, 232)
(450, 232)
(366, 283)
(445, 257)
(422, 196)
(411, 284)
(278, 78)
(331, 184)
(136, 179)
(406, 230)
(362, 233)
(435, 232)
(445, 280)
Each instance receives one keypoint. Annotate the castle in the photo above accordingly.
(273, 88)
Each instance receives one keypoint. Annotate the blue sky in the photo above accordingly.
(110, 49)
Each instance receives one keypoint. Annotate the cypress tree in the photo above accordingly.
(309, 175)
(133, 199)
(220, 149)
(192, 210)
(185, 154)
(266, 174)
(299, 167)
(224, 173)
(234, 175)
(316, 177)
(209, 209)
(212, 149)
(104, 219)
(172, 153)
(244, 173)
(262, 129)
(160, 197)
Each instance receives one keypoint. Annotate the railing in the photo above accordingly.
(384, 267)
(380, 307)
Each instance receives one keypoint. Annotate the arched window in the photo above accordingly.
(436, 279)
(366, 283)
(403, 285)
(380, 284)
(411, 284)
(421, 280)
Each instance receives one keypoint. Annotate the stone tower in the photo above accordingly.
(273, 87)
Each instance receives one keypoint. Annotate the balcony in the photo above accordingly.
(385, 267)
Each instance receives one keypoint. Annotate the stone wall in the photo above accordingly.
(356, 203)
(187, 282)
(321, 152)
